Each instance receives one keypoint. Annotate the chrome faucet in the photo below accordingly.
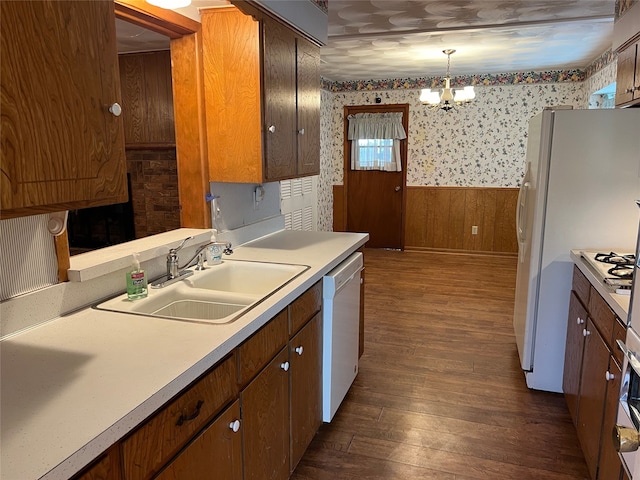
(175, 272)
(172, 260)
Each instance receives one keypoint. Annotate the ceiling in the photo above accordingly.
(385, 39)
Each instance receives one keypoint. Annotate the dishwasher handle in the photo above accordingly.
(348, 280)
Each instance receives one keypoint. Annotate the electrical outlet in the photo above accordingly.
(474, 230)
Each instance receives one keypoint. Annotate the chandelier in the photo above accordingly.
(448, 98)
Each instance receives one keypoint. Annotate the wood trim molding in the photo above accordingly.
(62, 254)
(159, 20)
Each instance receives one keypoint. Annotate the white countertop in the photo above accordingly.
(618, 303)
(77, 384)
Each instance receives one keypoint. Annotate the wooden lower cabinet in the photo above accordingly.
(305, 351)
(106, 467)
(593, 390)
(609, 465)
(265, 415)
(214, 453)
(573, 354)
(592, 376)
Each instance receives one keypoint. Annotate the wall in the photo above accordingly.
(482, 145)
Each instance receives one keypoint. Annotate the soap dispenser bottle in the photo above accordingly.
(214, 252)
(136, 280)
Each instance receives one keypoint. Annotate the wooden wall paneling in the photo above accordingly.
(442, 217)
(133, 98)
(471, 203)
(158, 87)
(190, 131)
(415, 231)
(487, 231)
(505, 220)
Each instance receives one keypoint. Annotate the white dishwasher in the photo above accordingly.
(341, 317)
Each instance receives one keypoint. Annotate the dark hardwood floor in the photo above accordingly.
(440, 394)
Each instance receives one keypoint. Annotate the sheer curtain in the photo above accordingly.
(375, 141)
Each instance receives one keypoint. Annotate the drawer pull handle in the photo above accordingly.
(193, 416)
(235, 426)
(299, 350)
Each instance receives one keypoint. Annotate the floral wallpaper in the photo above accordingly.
(480, 145)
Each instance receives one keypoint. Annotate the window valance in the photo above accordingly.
(376, 125)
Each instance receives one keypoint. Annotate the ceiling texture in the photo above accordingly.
(389, 39)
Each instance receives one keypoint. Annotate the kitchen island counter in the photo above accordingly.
(75, 385)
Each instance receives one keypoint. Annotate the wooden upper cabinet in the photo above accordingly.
(628, 75)
(279, 97)
(147, 99)
(61, 147)
(308, 102)
(262, 98)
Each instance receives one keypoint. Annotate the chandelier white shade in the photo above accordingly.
(448, 98)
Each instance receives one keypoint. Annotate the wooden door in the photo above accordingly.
(279, 99)
(308, 105)
(61, 147)
(573, 354)
(609, 465)
(265, 418)
(306, 387)
(374, 200)
(215, 453)
(592, 395)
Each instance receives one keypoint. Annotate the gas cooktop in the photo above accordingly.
(615, 269)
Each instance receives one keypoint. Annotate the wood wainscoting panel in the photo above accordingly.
(443, 218)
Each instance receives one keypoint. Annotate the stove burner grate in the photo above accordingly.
(622, 271)
(615, 259)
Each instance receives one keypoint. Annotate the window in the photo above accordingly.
(375, 141)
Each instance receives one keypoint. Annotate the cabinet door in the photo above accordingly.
(265, 418)
(306, 387)
(592, 395)
(106, 468)
(61, 147)
(573, 354)
(279, 100)
(215, 453)
(609, 465)
(625, 75)
(308, 103)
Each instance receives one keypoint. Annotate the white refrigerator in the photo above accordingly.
(579, 190)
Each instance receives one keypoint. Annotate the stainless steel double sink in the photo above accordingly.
(220, 294)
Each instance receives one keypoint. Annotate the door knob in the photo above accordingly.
(397, 189)
(115, 109)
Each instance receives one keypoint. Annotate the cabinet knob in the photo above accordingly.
(115, 109)
(299, 350)
(285, 366)
(629, 90)
(625, 439)
(272, 129)
(609, 376)
(585, 332)
(301, 131)
(235, 426)
(579, 321)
